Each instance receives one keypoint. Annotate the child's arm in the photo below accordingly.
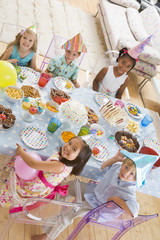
(33, 64)
(48, 166)
(121, 203)
(122, 88)
(119, 157)
(7, 54)
(99, 78)
(49, 73)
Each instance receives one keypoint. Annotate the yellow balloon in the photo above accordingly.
(8, 74)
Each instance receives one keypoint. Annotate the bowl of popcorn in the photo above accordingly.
(13, 93)
(97, 130)
(51, 108)
(66, 136)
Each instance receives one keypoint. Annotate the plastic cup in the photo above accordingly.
(84, 131)
(53, 125)
(44, 79)
(146, 120)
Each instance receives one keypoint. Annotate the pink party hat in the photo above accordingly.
(135, 52)
(33, 28)
(75, 44)
(144, 164)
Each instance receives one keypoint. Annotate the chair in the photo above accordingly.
(41, 211)
(54, 50)
(110, 215)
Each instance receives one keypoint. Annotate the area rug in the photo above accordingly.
(54, 17)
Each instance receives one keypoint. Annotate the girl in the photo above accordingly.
(71, 159)
(66, 66)
(22, 51)
(114, 79)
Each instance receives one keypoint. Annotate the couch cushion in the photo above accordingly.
(115, 22)
(151, 21)
(136, 25)
(149, 55)
(127, 3)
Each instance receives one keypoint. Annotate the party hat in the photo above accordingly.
(135, 52)
(144, 164)
(33, 28)
(75, 44)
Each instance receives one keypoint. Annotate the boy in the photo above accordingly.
(118, 184)
(65, 66)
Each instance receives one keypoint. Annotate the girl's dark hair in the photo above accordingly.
(79, 162)
(122, 53)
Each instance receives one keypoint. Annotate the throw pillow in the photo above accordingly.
(136, 25)
(127, 3)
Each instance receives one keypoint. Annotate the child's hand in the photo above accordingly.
(77, 85)
(14, 61)
(119, 156)
(19, 149)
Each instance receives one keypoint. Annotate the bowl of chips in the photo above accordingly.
(66, 136)
(13, 93)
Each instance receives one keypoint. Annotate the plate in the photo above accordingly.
(127, 141)
(152, 143)
(104, 153)
(101, 97)
(34, 137)
(32, 75)
(133, 111)
(60, 83)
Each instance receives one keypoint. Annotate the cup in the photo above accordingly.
(53, 125)
(84, 131)
(44, 79)
(146, 120)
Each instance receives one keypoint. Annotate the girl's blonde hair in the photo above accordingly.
(130, 164)
(18, 38)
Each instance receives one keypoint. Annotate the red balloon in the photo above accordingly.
(23, 170)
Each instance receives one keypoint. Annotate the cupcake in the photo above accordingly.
(7, 111)
(26, 105)
(1, 108)
(7, 123)
(33, 110)
(40, 109)
(26, 99)
(3, 116)
(11, 117)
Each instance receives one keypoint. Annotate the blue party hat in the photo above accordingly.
(144, 164)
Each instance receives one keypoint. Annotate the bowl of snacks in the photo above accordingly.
(51, 108)
(66, 136)
(13, 93)
(97, 130)
(127, 141)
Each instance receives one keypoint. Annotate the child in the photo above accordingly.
(66, 66)
(118, 184)
(22, 51)
(114, 79)
(71, 159)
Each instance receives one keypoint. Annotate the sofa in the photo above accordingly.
(124, 26)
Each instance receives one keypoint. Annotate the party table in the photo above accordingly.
(92, 170)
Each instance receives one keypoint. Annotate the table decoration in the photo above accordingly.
(34, 137)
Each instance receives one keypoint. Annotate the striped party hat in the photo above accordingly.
(75, 44)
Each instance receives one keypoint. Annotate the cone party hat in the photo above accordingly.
(33, 28)
(144, 164)
(136, 51)
(75, 44)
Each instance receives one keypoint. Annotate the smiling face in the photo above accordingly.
(27, 41)
(70, 56)
(72, 148)
(125, 63)
(127, 173)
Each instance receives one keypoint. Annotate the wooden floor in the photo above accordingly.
(148, 204)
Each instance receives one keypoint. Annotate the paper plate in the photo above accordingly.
(101, 97)
(60, 83)
(133, 111)
(34, 137)
(152, 143)
(32, 76)
(104, 153)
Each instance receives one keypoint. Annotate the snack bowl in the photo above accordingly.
(51, 108)
(13, 93)
(97, 130)
(66, 136)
